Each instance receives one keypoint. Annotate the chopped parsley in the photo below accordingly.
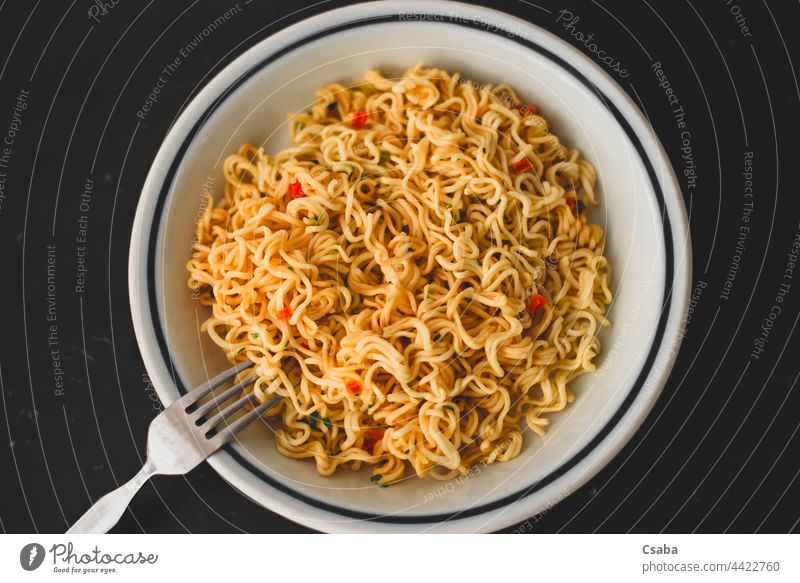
(385, 156)
(376, 478)
(241, 350)
(327, 422)
(437, 337)
(313, 419)
(593, 349)
(254, 334)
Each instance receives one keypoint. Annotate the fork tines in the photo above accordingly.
(197, 412)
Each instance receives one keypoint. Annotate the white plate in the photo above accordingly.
(641, 210)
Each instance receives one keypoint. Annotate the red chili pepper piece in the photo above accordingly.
(359, 120)
(353, 387)
(527, 109)
(372, 437)
(285, 313)
(296, 189)
(536, 302)
(521, 166)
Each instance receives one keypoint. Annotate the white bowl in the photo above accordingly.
(641, 210)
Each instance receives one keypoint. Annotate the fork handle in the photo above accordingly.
(107, 511)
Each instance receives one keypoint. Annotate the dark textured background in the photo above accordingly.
(720, 452)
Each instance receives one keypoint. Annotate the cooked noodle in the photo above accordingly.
(416, 275)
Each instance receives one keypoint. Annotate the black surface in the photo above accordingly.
(720, 450)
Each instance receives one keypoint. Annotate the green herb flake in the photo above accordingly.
(437, 338)
(241, 350)
(449, 406)
(593, 349)
(254, 334)
(376, 478)
(327, 422)
(313, 420)
(291, 268)
(385, 156)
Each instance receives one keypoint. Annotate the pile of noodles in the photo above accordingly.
(380, 271)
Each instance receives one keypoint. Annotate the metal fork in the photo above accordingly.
(182, 436)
